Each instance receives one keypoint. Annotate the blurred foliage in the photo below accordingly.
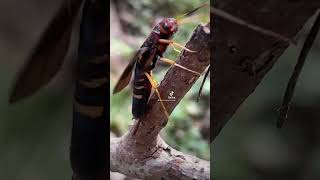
(181, 131)
(145, 13)
(34, 133)
(251, 147)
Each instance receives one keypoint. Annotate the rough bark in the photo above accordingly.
(145, 155)
(242, 57)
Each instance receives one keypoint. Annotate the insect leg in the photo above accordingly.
(136, 127)
(154, 85)
(171, 62)
(173, 44)
(202, 84)
(283, 111)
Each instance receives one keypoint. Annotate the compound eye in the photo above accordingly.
(166, 26)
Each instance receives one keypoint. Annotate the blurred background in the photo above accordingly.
(250, 146)
(35, 133)
(131, 23)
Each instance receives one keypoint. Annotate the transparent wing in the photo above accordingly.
(127, 73)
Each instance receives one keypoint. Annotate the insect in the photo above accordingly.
(145, 60)
(89, 129)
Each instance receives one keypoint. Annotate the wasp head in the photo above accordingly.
(168, 26)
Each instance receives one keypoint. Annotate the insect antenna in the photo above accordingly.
(190, 13)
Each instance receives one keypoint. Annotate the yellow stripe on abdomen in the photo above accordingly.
(86, 110)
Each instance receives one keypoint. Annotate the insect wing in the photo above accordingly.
(48, 55)
(127, 73)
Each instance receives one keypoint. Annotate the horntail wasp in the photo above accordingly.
(88, 151)
(145, 60)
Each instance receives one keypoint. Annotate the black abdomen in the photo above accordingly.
(141, 93)
(91, 97)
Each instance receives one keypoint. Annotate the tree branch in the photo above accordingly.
(242, 56)
(145, 155)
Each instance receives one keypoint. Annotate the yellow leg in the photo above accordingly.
(175, 49)
(171, 62)
(154, 85)
(173, 44)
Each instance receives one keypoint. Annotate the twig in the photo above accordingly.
(283, 110)
(164, 163)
